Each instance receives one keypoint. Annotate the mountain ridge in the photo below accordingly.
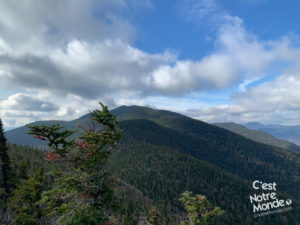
(285, 132)
(258, 135)
(164, 153)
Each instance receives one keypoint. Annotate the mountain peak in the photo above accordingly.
(253, 124)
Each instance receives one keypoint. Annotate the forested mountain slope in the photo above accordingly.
(162, 174)
(164, 153)
(259, 136)
(289, 133)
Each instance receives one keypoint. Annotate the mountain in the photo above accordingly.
(288, 133)
(158, 176)
(231, 152)
(19, 135)
(220, 147)
(157, 160)
(164, 153)
(259, 136)
(163, 174)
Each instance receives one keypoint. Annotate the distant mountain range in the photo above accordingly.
(288, 133)
(259, 136)
(164, 153)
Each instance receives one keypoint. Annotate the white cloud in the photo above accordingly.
(276, 101)
(95, 66)
(250, 54)
(253, 56)
(26, 22)
(22, 108)
(198, 9)
(93, 69)
(27, 102)
(83, 51)
(212, 72)
(81, 68)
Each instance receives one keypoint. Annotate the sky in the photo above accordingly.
(213, 60)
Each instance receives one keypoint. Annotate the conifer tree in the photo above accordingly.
(82, 192)
(21, 173)
(5, 166)
(199, 209)
(24, 202)
(154, 218)
(6, 178)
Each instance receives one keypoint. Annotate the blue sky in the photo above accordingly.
(214, 60)
(170, 28)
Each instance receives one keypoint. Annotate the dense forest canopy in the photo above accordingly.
(143, 174)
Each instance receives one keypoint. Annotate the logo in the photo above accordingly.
(266, 201)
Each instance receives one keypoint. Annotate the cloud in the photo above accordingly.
(83, 51)
(239, 58)
(253, 56)
(280, 94)
(53, 22)
(212, 72)
(197, 9)
(81, 68)
(21, 101)
(278, 100)
(95, 69)
(110, 66)
(100, 65)
(22, 108)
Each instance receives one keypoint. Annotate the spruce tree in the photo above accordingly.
(83, 191)
(5, 178)
(23, 203)
(5, 166)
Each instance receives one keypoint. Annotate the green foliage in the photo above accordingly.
(154, 218)
(22, 170)
(57, 139)
(162, 158)
(134, 205)
(6, 175)
(83, 190)
(233, 153)
(24, 201)
(199, 209)
(2, 137)
(162, 174)
(24, 160)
